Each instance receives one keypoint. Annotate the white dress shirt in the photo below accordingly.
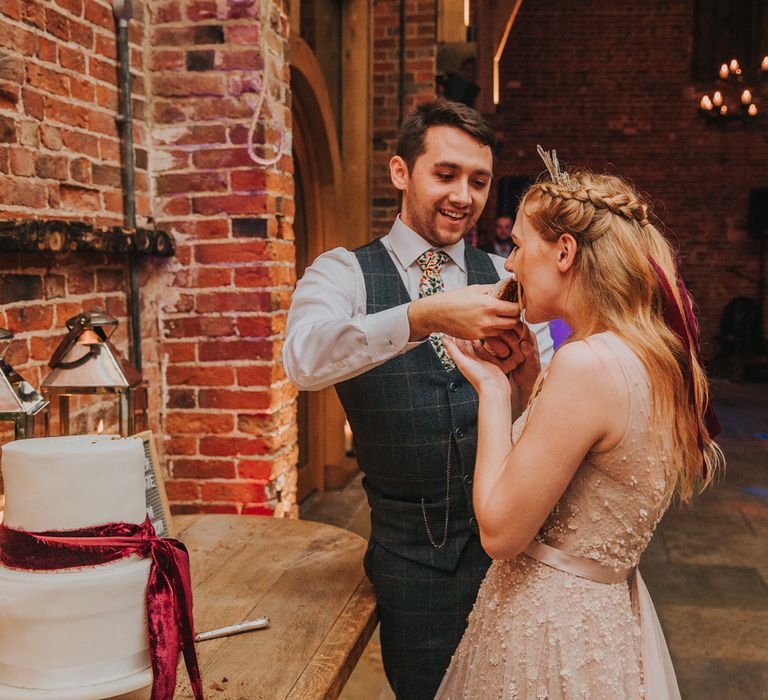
(330, 338)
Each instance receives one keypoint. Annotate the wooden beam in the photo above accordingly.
(31, 235)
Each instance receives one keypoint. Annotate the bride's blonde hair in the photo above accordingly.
(615, 244)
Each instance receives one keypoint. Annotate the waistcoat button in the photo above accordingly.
(459, 433)
(472, 521)
(452, 387)
(467, 479)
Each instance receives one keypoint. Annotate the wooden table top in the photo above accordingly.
(307, 577)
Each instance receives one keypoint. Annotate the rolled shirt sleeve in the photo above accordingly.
(329, 337)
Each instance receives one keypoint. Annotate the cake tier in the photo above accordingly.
(75, 628)
(64, 483)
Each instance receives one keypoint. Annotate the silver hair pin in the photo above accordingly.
(553, 166)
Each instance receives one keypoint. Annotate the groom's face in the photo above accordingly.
(448, 187)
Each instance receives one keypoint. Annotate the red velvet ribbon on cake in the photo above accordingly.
(169, 590)
(683, 324)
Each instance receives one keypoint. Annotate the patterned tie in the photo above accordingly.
(431, 263)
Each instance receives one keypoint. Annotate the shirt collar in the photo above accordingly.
(408, 245)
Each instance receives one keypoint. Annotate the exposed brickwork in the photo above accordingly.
(60, 158)
(212, 317)
(420, 69)
(59, 144)
(617, 93)
(229, 404)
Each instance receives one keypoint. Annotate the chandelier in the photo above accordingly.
(732, 99)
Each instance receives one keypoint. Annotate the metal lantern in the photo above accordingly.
(85, 362)
(20, 402)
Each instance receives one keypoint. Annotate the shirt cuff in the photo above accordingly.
(387, 332)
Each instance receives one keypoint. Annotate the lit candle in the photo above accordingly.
(706, 103)
(764, 64)
(717, 98)
(723, 110)
(724, 71)
(734, 65)
(348, 441)
(746, 97)
(752, 111)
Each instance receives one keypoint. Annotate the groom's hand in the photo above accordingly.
(469, 313)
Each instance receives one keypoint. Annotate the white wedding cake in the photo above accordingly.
(73, 634)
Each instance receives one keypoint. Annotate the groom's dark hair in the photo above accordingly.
(410, 142)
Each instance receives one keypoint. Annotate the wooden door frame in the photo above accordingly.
(316, 152)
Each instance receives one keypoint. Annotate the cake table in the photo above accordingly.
(306, 577)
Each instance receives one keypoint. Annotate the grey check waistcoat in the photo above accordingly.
(403, 414)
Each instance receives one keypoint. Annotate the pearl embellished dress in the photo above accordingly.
(540, 632)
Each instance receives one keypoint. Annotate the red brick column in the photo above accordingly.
(229, 408)
(420, 69)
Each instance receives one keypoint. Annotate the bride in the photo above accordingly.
(618, 426)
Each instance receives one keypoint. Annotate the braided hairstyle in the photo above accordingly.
(616, 239)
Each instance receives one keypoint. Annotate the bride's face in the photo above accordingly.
(534, 262)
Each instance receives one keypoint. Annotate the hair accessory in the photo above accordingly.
(683, 324)
(559, 177)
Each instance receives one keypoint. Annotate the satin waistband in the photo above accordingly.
(578, 566)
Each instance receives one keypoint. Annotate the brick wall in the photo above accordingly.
(611, 88)
(420, 69)
(213, 316)
(60, 151)
(230, 409)
(60, 158)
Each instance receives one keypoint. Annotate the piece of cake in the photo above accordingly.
(506, 290)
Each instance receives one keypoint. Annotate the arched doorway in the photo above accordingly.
(319, 225)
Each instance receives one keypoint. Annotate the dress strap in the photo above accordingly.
(578, 566)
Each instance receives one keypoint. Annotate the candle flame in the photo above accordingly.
(100, 427)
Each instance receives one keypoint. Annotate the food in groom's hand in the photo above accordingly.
(506, 290)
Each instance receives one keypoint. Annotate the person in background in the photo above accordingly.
(501, 244)
(370, 322)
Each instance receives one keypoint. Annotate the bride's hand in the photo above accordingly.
(476, 364)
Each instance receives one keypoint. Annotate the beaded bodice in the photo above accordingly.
(616, 498)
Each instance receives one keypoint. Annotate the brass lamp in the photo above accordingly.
(20, 402)
(85, 362)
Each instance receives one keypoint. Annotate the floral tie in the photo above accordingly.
(431, 263)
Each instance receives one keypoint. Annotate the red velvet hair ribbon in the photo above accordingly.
(169, 590)
(683, 324)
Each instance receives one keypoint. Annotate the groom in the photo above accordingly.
(367, 321)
